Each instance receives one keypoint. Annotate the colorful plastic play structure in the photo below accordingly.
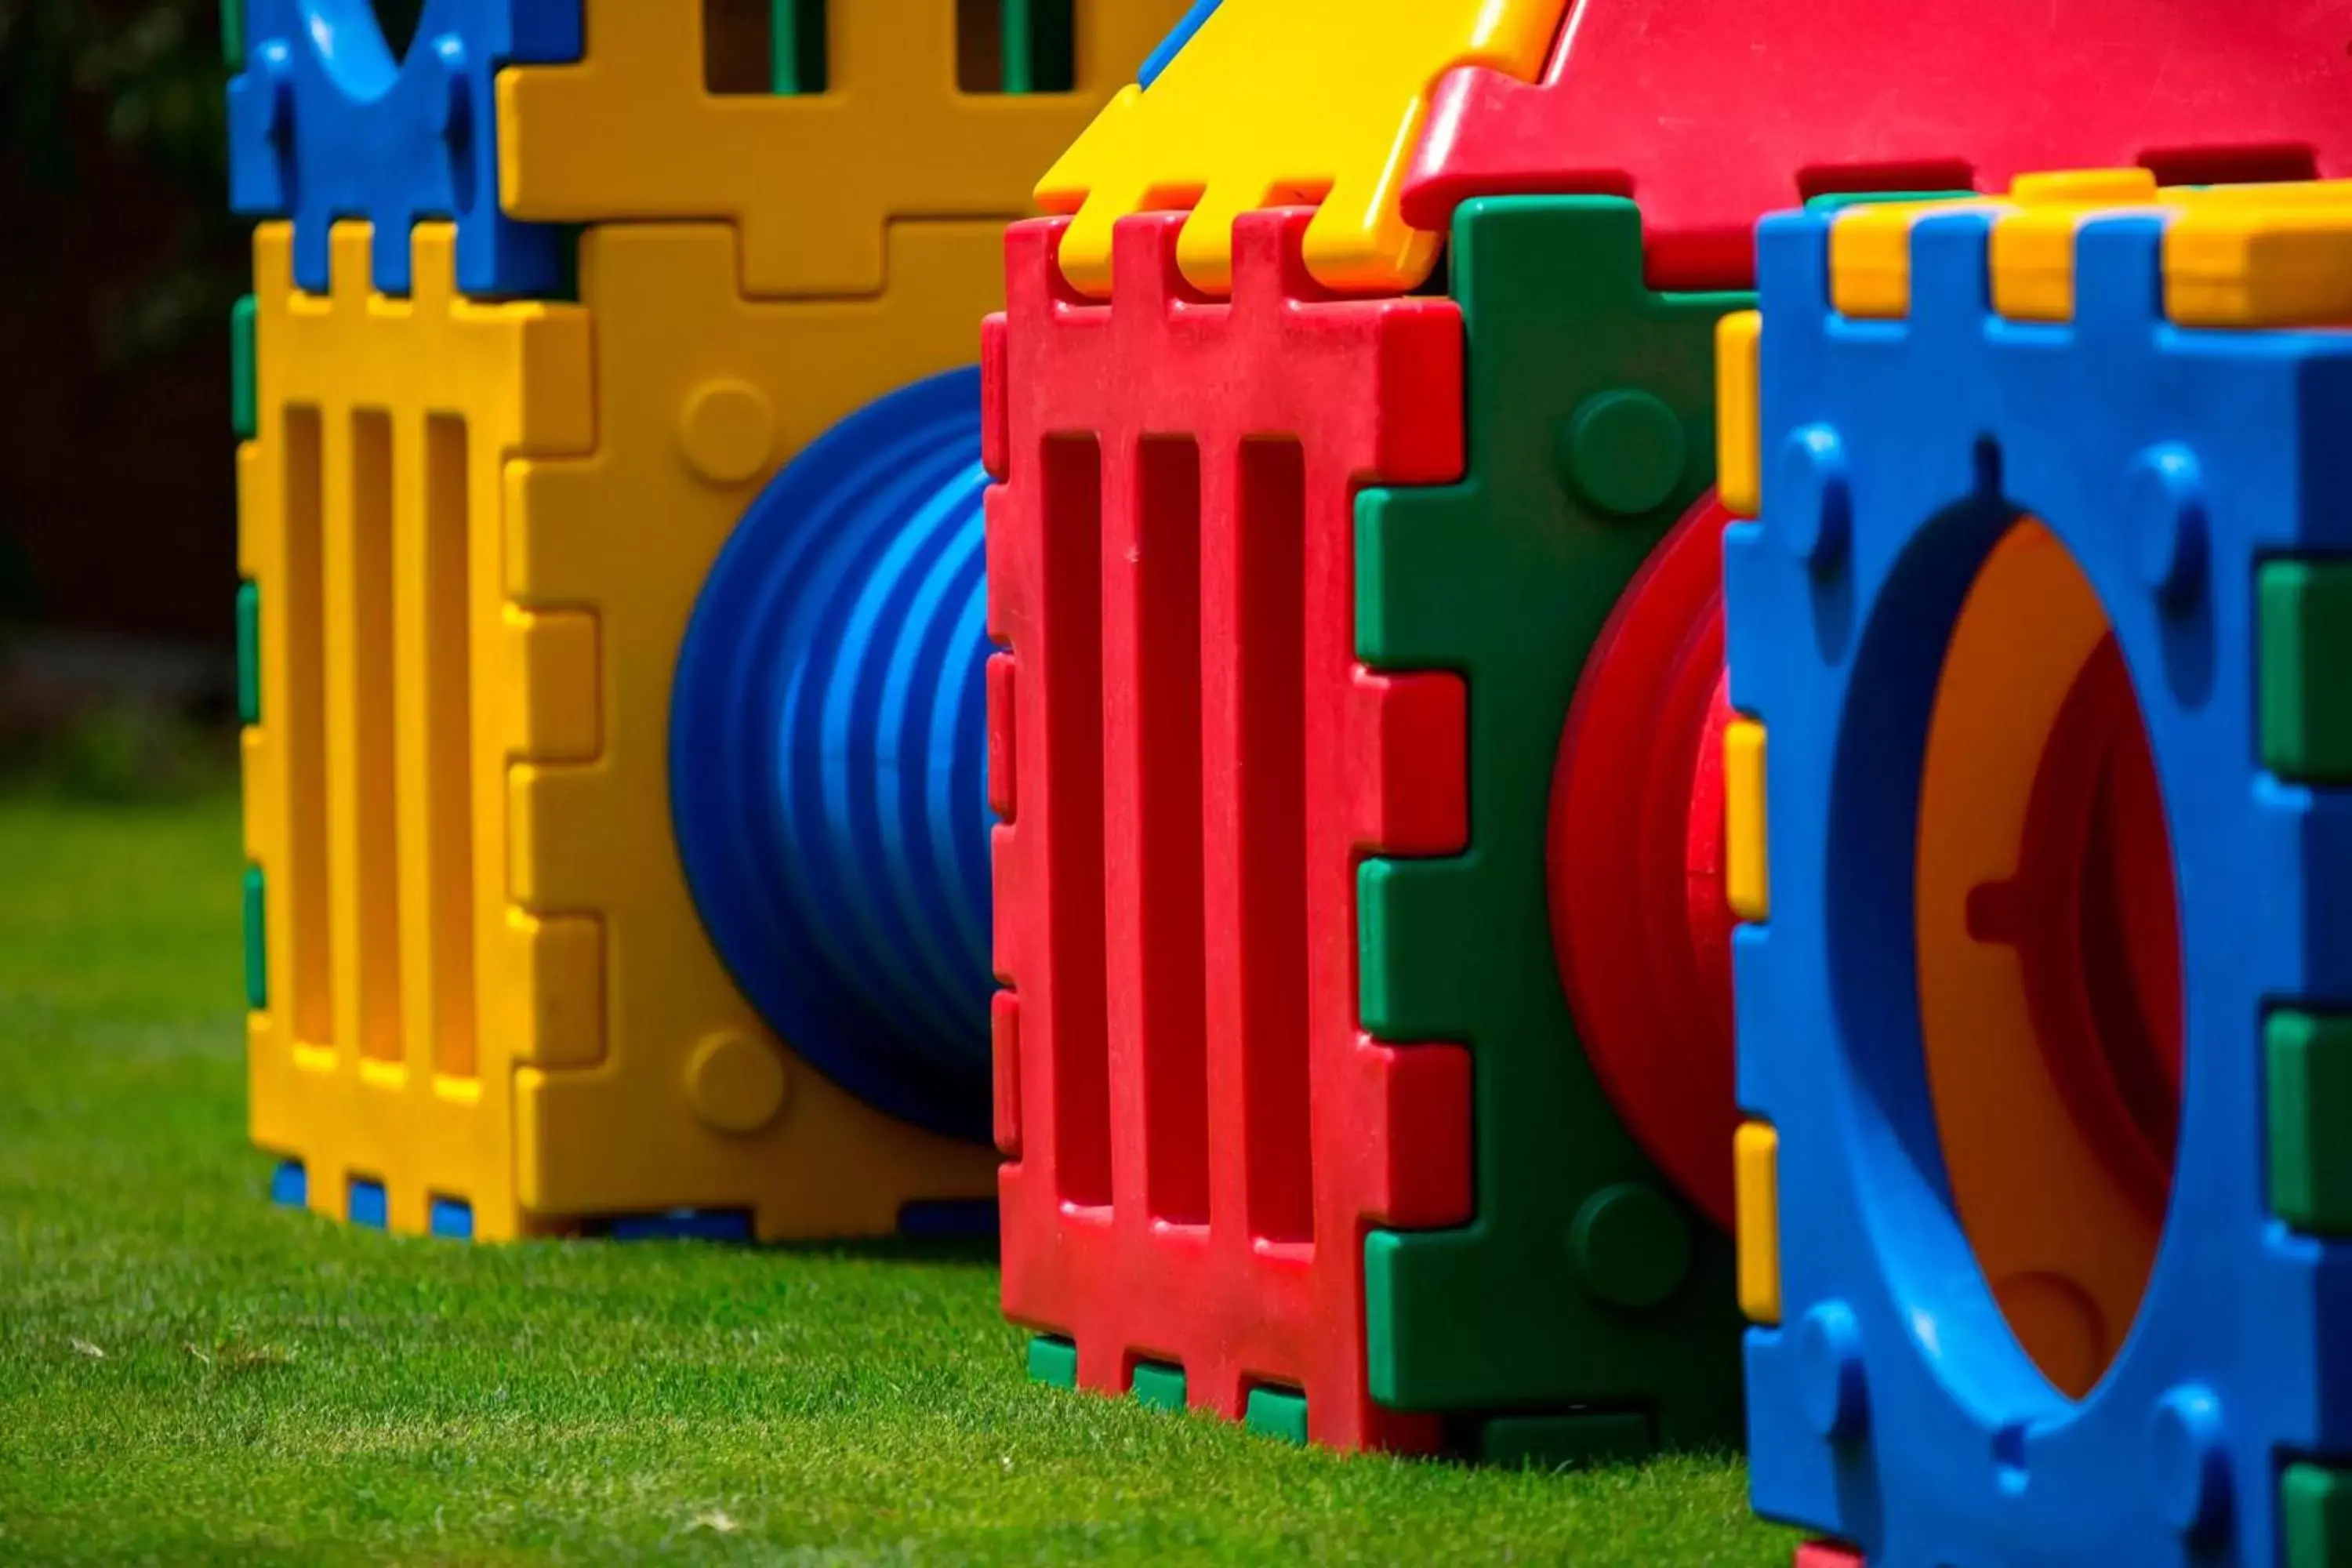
(1661, 752)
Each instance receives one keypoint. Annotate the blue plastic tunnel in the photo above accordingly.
(828, 741)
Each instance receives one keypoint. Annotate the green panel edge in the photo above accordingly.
(244, 396)
(1508, 576)
(257, 953)
(232, 33)
(1053, 1360)
(798, 59)
(2315, 1516)
(2308, 1077)
(1156, 1384)
(248, 652)
(1838, 201)
(1276, 1412)
(2304, 611)
(1040, 45)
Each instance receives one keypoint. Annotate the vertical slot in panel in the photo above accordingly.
(1171, 1012)
(1270, 628)
(303, 735)
(739, 51)
(984, 30)
(373, 783)
(447, 616)
(1079, 1004)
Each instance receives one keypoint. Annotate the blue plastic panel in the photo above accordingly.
(325, 124)
(1892, 1407)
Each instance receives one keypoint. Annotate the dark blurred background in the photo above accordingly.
(119, 263)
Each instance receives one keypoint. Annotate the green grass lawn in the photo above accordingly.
(188, 1373)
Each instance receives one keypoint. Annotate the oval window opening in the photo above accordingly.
(2049, 959)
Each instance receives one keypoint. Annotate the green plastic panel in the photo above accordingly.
(1159, 1385)
(233, 34)
(2305, 610)
(248, 653)
(2310, 1084)
(2315, 1516)
(1040, 45)
(243, 395)
(798, 61)
(1574, 1439)
(256, 930)
(1508, 578)
(1276, 1412)
(1053, 1360)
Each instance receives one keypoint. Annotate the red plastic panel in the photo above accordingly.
(1200, 1133)
(1635, 863)
(1824, 1555)
(1712, 112)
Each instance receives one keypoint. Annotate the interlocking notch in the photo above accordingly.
(1712, 112)
(1192, 765)
(1587, 1281)
(813, 181)
(326, 125)
(403, 981)
(479, 799)
(2176, 467)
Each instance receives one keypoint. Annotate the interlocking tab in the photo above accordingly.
(1711, 114)
(812, 181)
(325, 124)
(1195, 763)
(1276, 102)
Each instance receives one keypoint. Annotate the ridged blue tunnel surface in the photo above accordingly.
(828, 747)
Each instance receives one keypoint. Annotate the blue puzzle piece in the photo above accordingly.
(325, 124)
(683, 1225)
(365, 1204)
(289, 1185)
(1892, 1407)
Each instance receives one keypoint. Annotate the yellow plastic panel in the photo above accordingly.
(812, 181)
(701, 394)
(2063, 1244)
(483, 813)
(1756, 1170)
(370, 503)
(1739, 414)
(1278, 101)
(1746, 871)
